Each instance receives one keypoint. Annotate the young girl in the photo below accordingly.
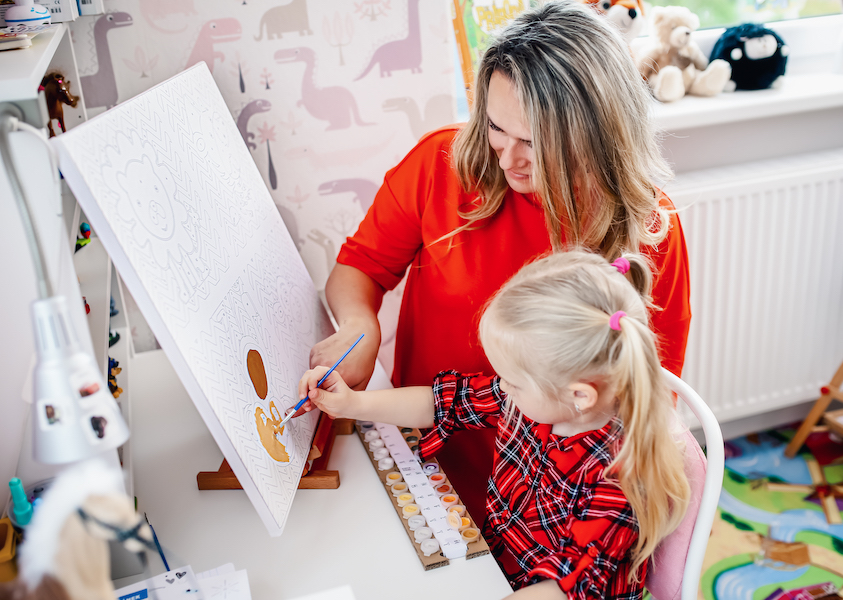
(587, 478)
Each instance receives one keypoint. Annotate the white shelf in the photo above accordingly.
(798, 94)
(93, 267)
(23, 69)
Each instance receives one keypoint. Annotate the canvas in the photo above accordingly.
(168, 184)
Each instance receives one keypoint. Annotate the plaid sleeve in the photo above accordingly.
(595, 561)
(461, 401)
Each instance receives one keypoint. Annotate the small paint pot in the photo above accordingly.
(454, 521)
(406, 430)
(457, 508)
(416, 522)
(411, 510)
(375, 444)
(423, 533)
(370, 435)
(398, 488)
(405, 499)
(429, 547)
(414, 448)
(411, 439)
(393, 477)
(437, 479)
(380, 453)
(365, 425)
(470, 535)
(430, 468)
(444, 489)
(386, 463)
(448, 500)
(465, 523)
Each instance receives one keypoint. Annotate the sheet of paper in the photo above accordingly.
(226, 586)
(178, 584)
(171, 190)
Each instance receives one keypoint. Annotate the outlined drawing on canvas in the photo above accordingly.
(169, 185)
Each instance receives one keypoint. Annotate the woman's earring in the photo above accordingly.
(577, 406)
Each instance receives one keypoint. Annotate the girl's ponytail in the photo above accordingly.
(649, 466)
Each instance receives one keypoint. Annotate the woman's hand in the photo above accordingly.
(357, 368)
(334, 397)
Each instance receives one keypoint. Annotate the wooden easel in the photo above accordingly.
(318, 478)
(833, 420)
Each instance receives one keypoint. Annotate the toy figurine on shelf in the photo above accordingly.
(87, 306)
(56, 88)
(84, 237)
(113, 337)
(113, 311)
(114, 368)
(114, 388)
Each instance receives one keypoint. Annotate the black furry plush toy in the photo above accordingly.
(758, 56)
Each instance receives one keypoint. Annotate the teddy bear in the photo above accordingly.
(673, 64)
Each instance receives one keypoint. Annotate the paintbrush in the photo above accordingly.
(321, 381)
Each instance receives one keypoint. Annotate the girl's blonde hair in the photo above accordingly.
(550, 323)
(596, 152)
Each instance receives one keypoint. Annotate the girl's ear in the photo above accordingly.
(585, 394)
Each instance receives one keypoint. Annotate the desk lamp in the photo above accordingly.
(74, 416)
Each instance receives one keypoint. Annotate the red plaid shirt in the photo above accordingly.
(551, 513)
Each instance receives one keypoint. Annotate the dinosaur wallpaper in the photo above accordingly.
(327, 94)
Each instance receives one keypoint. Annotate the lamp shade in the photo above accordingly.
(74, 415)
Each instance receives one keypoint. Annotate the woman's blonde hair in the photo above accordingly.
(550, 324)
(596, 152)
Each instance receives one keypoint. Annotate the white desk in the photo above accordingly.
(333, 537)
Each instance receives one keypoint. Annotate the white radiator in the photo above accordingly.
(765, 243)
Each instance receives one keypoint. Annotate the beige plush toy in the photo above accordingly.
(673, 64)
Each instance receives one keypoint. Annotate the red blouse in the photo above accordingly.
(447, 287)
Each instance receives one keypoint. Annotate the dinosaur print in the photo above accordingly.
(286, 18)
(252, 108)
(438, 111)
(364, 190)
(335, 104)
(327, 245)
(100, 89)
(153, 10)
(347, 158)
(400, 54)
(226, 29)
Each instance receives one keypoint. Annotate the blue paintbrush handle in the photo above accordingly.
(321, 381)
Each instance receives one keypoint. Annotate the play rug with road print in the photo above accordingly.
(778, 532)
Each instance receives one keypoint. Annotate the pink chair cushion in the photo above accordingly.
(667, 565)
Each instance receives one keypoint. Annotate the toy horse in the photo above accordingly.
(56, 89)
(65, 554)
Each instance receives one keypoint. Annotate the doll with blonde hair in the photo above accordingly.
(588, 477)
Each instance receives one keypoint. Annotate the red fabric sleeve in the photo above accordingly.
(671, 292)
(461, 402)
(390, 237)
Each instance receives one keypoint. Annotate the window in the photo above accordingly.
(727, 13)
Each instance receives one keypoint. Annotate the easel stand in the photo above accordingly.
(833, 419)
(318, 478)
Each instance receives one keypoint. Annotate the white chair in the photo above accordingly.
(663, 581)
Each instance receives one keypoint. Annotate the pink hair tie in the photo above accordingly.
(615, 320)
(622, 265)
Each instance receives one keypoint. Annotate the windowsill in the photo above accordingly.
(798, 94)
(813, 81)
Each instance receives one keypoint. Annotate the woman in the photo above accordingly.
(559, 150)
